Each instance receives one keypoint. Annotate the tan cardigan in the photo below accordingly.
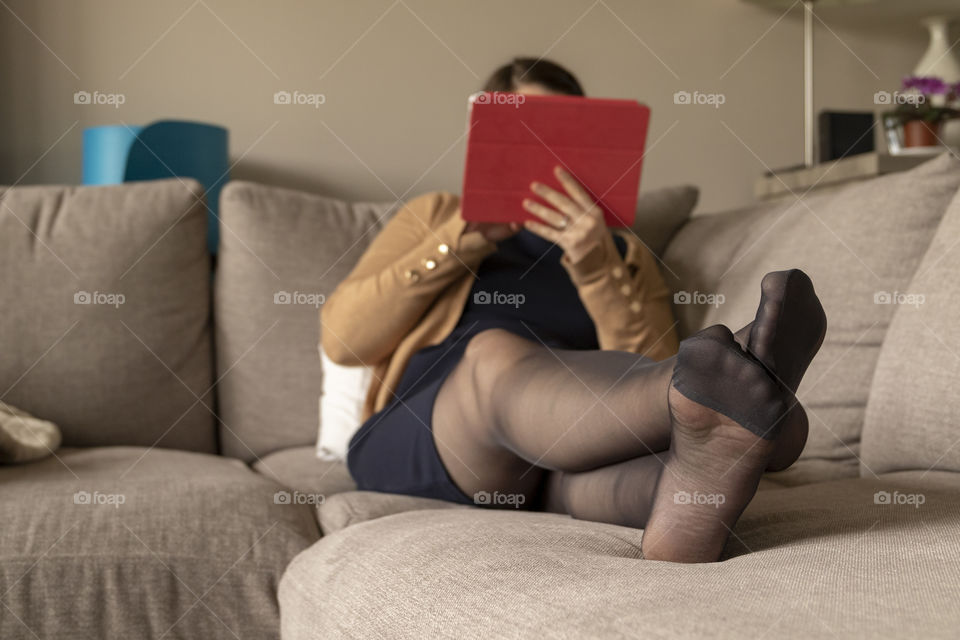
(409, 288)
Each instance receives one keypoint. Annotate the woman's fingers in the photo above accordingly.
(544, 231)
(554, 218)
(561, 202)
(575, 189)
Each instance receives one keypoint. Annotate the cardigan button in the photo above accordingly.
(625, 289)
(617, 272)
(411, 275)
(429, 264)
(635, 306)
(443, 248)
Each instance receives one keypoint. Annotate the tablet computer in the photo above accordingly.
(516, 139)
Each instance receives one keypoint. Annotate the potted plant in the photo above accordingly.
(924, 105)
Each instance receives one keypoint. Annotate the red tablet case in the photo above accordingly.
(514, 140)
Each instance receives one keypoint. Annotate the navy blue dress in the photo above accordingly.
(522, 288)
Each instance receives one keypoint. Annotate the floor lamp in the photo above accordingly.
(809, 123)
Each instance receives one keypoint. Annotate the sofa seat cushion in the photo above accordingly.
(347, 509)
(124, 542)
(819, 560)
(300, 469)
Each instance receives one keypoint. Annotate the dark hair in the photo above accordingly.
(534, 71)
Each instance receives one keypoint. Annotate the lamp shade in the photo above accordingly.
(105, 151)
(175, 148)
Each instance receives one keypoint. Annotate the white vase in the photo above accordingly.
(939, 60)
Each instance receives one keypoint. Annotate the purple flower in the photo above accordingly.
(928, 85)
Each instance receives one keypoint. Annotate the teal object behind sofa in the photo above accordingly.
(105, 151)
(163, 149)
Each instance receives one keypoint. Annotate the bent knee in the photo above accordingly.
(492, 352)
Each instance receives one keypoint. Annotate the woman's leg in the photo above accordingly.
(513, 408)
(621, 493)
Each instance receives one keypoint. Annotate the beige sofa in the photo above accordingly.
(181, 503)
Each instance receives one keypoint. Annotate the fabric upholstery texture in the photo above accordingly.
(913, 416)
(346, 509)
(105, 328)
(129, 542)
(822, 560)
(661, 213)
(299, 468)
(281, 253)
(855, 243)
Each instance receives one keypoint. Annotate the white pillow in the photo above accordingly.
(342, 395)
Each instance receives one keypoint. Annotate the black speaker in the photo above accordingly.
(845, 133)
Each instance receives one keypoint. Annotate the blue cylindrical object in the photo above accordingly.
(105, 152)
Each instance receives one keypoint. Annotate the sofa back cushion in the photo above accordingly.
(105, 312)
(281, 253)
(297, 247)
(855, 243)
(913, 414)
(661, 213)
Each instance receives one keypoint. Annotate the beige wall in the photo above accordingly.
(395, 76)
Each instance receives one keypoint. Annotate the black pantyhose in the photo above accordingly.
(677, 447)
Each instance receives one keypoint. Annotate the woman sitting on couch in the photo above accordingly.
(540, 367)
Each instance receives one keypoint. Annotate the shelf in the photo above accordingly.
(859, 167)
